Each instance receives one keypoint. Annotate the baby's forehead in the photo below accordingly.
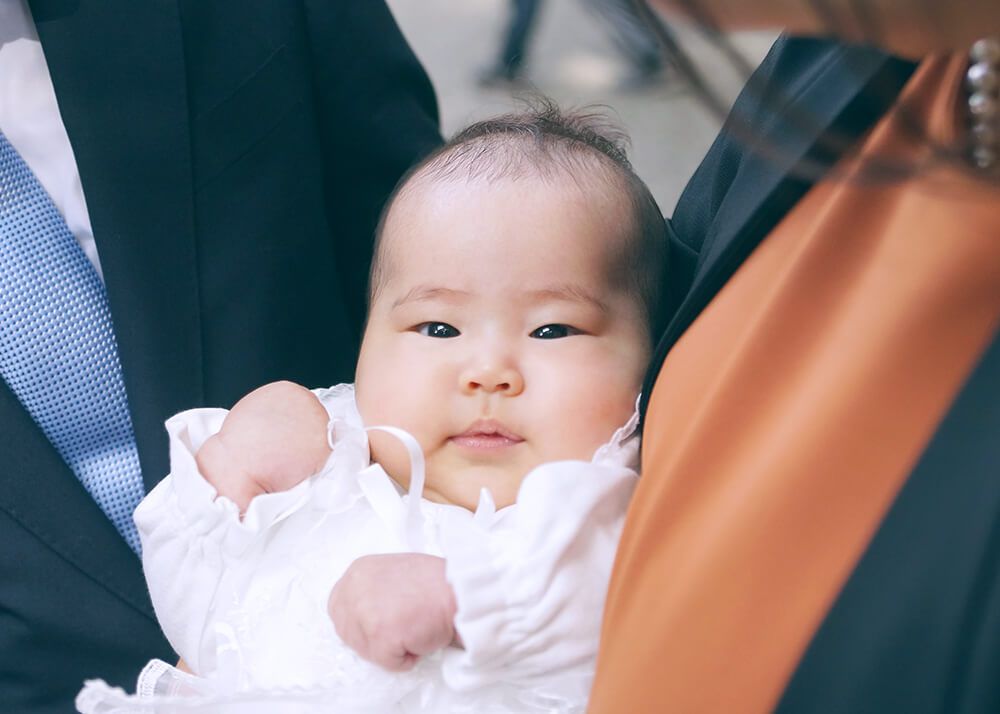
(448, 211)
(446, 192)
(449, 193)
(531, 270)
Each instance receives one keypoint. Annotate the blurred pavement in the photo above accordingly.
(573, 60)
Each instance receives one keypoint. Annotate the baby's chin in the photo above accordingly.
(464, 487)
(455, 478)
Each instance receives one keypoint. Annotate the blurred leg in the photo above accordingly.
(631, 34)
(518, 34)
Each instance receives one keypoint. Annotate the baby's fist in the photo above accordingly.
(272, 440)
(393, 609)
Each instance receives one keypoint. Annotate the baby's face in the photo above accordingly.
(498, 338)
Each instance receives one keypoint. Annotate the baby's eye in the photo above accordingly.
(553, 332)
(440, 330)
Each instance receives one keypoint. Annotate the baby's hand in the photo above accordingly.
(393, 609)
(273, 439)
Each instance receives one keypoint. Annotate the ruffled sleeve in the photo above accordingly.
(190, 537)
(530, 590)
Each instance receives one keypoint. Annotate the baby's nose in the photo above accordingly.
(492, 377)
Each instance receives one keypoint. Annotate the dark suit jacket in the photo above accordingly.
(917, 627)
(234, 155)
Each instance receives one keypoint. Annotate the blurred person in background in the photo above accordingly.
(186, 191)
(817, 528)
(630, 32)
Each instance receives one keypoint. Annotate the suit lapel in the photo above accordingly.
(39, 491)
(791, 150)
(119, 75)
(793, 144)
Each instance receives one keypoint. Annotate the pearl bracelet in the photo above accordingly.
(983, 82)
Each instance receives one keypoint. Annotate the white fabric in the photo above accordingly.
(30, 118)
(244, 602)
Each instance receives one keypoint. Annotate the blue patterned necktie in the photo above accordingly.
(57, 345)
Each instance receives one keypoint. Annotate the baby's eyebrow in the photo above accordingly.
(423, 293)
(568, 293)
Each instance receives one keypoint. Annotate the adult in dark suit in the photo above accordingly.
(234, 156)
(726, 595)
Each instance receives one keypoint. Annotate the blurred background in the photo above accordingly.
(572, 56)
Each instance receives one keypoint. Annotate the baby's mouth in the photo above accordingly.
(486, 435)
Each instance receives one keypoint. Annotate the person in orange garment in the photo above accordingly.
(817, 528)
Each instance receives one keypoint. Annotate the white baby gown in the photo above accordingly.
(244, 602)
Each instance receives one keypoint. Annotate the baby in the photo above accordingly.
(439, 536)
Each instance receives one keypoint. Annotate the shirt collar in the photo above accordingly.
(15, 22)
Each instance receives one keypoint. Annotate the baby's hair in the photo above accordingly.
(546, 142)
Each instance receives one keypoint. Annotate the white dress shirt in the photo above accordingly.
(30, 119)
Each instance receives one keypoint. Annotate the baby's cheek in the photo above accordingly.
(385, 402)
(593, 421)
(373, 385)
(391, 455)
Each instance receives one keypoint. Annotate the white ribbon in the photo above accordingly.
(374, 480)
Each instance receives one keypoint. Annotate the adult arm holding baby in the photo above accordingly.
(906, 27)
